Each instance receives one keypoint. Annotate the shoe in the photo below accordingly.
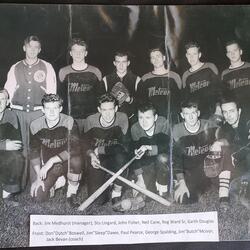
(11, 200)
(137, 203)
(131, 204)
(52, 192)
(60, 182)
(116, 200)
(72, 201)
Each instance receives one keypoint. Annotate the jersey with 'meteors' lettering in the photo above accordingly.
(106, 139)
(80, 90)
(237, 80)
(162, 90)
(61, 140)
(190, 149)
(203, 85)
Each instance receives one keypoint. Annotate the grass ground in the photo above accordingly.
(14, 221)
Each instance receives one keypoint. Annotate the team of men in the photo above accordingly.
(172, 125)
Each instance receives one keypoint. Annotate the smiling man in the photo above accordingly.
(151, 143)
(80, 84)
(161, 86)
(28, 80)
(105, 143)
(232, 140)
(192, 141)
(55, 151)
(201, 81)
(236, 78)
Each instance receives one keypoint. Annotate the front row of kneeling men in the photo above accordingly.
(58, 152)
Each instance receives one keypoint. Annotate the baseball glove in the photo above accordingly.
(213, 164)
(120, 92)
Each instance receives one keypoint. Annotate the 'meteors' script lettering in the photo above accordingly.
(56, 143)
(103, 142)
(241, 82)
(153, 91)
(76, 87)
(193, 151)
(198, 85)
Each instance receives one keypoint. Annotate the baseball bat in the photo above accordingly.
(105, 185)
(148, 193)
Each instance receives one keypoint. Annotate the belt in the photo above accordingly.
(27, 108)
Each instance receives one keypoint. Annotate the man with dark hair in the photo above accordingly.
(237, 77)
(11, 158)
(161, 86)
(55, 151)
(192, 140)
(28, 80)
(232, 140)
(151, 142)
(122, 83)
(105, 143)
(80, 84)
(201, 81)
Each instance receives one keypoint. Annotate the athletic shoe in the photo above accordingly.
(11, 200)
(60, 182)
(116, 200)
(131, 204)
(72, 201)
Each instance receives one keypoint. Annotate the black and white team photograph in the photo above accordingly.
(124, 110)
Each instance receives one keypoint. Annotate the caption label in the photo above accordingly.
(58, 230)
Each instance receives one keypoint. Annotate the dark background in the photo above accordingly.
(211, 26)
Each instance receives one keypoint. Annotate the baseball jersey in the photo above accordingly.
(161, 90)
(26, 84)
(106, 139)
(237, 80)
(130, 82)
(61, 140)
(9, 128)
(159, 141)
(190, 149)
(203, 85)
(80, 90)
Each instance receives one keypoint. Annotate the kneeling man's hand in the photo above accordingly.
(180, 191)
(35, 186)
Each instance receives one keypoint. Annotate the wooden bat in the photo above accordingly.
(148, 193)
(105, 185)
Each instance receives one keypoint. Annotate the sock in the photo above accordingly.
(161, 188)
(6, 194)
(72, 189)
(116, 192)
(224, 179)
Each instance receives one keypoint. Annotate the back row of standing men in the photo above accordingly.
(80, 84)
